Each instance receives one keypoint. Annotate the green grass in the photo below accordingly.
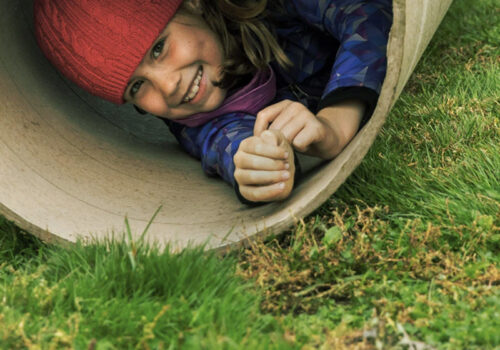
(72, 298)
(406, 252)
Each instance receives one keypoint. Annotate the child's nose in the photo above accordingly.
(168, 84)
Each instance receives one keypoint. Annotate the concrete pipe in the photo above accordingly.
(73, 166)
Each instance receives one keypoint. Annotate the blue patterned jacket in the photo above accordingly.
(338, 48)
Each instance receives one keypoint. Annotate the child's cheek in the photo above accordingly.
(182, 53)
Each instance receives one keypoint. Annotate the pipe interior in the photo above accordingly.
(92, 163)
(74, 166)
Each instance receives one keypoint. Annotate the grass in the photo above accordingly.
(404, 256)
(95, 297)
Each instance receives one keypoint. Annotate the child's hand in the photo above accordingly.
(323, 135)
(264, 167)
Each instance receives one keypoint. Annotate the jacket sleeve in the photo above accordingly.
(215, 143)
(362, 30)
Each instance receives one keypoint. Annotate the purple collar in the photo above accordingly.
(250, 99)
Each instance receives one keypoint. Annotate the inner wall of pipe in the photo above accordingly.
(73, 164)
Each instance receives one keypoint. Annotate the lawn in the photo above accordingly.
(405, 255)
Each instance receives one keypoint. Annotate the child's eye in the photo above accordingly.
(157, 49)
(135, 88)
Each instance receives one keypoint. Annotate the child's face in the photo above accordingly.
(176, 77)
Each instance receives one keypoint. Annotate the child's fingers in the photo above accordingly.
(268, 115)
(249, 177)
(293, 113)
(310, 134)
(264, 193)
(255, 145)
(291, 129)
(245, 160)
(292, 120)
(258, 186)
(275, 137)
(272, 138)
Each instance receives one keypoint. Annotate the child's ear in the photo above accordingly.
(194, 5)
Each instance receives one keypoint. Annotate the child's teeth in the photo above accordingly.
(194, 91)
(195, 88)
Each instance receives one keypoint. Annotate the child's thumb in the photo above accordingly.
(272, 137)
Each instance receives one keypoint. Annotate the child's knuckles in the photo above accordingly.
(238, 159)
(262, 115)
(296, 107)
(238, 175)
(289, 103)
(248, 144)
(244, 144)
(263, 118)
(251, 177)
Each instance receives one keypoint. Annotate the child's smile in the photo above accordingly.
(195, 87)
(177, 77)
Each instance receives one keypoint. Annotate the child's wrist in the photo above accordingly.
(330, 145)
(341, 123)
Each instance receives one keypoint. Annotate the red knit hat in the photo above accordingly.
(98, 44)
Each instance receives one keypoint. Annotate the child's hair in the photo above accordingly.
(248, 43)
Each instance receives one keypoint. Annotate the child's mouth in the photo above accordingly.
(195, 86)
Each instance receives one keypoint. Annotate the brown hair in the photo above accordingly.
(248, 43)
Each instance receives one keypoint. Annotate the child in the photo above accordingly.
(240, 83)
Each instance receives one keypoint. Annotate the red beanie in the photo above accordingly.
(98, 44)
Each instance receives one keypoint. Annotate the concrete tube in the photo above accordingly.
(74, 166)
